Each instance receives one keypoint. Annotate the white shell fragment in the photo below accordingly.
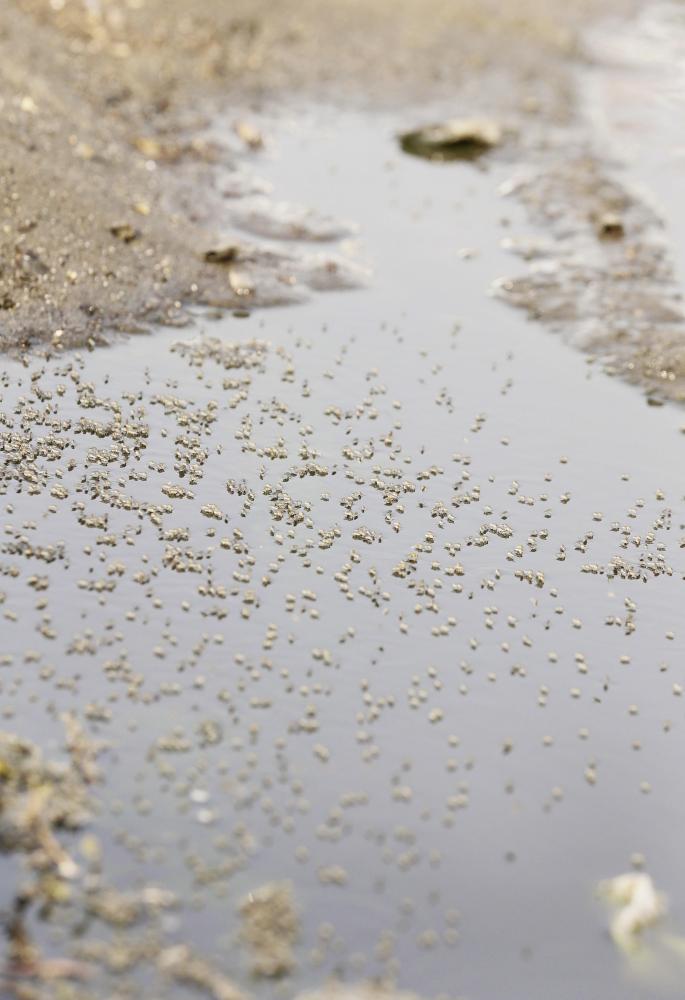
(640, 906)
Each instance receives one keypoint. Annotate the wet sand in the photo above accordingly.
(112, 189)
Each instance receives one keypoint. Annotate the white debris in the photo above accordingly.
(458, 138)
(282, 220)
(640, 905)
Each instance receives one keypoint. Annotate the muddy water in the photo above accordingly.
(433, 680)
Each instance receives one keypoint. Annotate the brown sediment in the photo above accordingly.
(604, 279)
(109, 185)
(270, 928)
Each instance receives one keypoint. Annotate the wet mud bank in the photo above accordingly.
(605, 265)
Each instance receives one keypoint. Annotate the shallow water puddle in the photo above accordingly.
(386, 602)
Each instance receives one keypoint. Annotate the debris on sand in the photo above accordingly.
(456, 139)
(609, 226)
(273, 271)
(249, 135)
(270, 928)
(240, 283)
(640, 904)
(223, 254)
(125, 232)
(169, 152)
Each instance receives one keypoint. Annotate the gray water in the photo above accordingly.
(494, 747)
